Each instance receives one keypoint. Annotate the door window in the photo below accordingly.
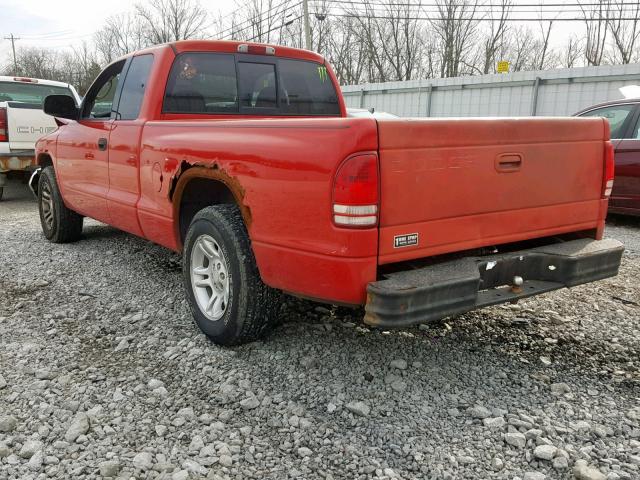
(617, 116)
(98, 102)
(134, 87)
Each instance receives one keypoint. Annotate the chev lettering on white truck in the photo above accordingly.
(22, 121)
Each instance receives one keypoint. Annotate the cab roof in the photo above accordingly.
(232, 46)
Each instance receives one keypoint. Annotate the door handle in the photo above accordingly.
(102, 144)
(89, 156)
(132, 160)
(508, 162)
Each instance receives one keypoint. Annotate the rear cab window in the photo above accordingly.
(218, 83)
(30, 92)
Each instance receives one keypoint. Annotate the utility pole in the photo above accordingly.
(307, 28)
(13, 47)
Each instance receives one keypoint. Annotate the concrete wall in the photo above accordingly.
(550, 92)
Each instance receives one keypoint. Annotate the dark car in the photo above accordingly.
(624, 119)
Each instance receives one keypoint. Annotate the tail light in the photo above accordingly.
(3, 124)
(355, 192)
(609, 167)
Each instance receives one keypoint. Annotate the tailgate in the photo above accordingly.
(454, 184)
(27, 123)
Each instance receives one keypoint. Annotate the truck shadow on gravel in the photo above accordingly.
(544, 339)
(623, 220)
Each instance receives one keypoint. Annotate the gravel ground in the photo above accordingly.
(103, 374)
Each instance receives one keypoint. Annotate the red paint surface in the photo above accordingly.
(457, 183)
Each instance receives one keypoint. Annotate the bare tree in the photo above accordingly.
(455, 28)
(623, 22)
(390, 35)
(164, 21)
(595, 20)
(573, 50)
(346, 53)
(541, 47)
(260, 21)
(80, 67)
(77, 67)
(121, 34)
(494, 38)
(518, 48)
(37, 63)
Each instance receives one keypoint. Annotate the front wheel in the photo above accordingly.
(226, 295)
(59, 223)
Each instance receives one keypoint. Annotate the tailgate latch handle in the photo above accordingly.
(508, 162)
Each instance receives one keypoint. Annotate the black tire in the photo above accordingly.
(252, 306)
(59, 223)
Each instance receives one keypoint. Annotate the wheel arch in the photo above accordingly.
(44, 160)
(199, 187)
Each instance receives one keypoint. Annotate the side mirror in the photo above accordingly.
(62, 106)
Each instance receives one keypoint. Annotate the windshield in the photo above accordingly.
(30, 92)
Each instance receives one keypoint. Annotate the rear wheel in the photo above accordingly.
(226, 295)
(59, 223)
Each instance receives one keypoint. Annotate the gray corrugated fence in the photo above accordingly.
(549, 92)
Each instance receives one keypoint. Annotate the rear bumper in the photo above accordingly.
(457, 286)
(17, 160)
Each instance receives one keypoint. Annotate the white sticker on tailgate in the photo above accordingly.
(407, 240)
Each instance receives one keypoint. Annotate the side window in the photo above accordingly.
(307, 89)
(202, 83)
(257, 85)
(636, 132)
(133, 87)
(99, 100)
(616, 115)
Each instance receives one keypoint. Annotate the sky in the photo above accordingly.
(53, 24)
(60, 24)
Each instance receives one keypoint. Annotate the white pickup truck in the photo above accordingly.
(22, 120)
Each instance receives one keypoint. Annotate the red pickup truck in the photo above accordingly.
(243, 157)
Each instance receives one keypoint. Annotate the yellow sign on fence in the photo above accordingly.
(503, 67)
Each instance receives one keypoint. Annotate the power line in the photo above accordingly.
(251, 20)
(490, 7)
(480, 19)
(234, 31)
(47, 35)
(274, 28)
(429, 11)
